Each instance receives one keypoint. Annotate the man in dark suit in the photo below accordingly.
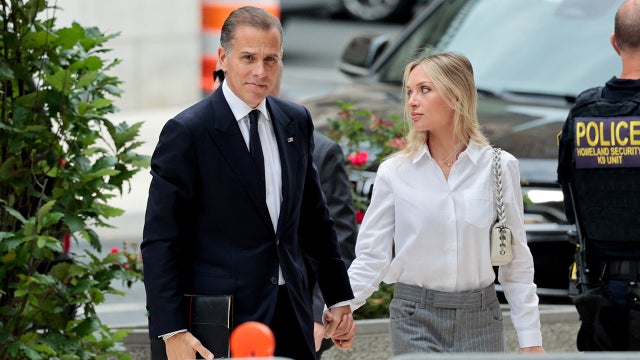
(334, 180)
(241, 212)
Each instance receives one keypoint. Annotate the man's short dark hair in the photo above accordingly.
(248, 16)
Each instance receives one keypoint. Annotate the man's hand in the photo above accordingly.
(339, 326)
(318, 334)
(184, 346)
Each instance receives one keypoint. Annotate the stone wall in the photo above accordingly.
(159, 46)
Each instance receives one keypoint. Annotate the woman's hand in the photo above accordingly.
(532, 349)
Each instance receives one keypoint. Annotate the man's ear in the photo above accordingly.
(614, 43)
(222, 58)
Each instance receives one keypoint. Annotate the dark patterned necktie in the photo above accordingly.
(255, 147)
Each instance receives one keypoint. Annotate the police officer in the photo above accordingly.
(599, 171)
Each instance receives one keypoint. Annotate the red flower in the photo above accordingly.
(359, 216)
(115, 250)
(66, 242)
(358, 158)
(376, 122)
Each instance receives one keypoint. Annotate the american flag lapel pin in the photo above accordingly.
(290, 140)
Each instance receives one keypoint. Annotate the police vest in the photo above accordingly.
(606, 171)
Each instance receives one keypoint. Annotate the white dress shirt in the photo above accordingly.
(439, 229)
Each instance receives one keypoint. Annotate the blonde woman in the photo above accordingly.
(427, 227)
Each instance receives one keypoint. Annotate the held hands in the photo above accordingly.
(184, 346)
(532, 349)
(318, 334)
(339, 326)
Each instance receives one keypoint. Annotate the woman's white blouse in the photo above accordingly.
(439, 229)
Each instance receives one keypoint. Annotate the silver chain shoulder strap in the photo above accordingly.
(497, 178)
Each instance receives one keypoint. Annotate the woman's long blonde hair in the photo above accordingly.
(452, 76)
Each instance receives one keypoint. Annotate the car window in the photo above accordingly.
(556, 47)
(428, 34)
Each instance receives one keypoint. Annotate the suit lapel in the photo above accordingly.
(226, 135)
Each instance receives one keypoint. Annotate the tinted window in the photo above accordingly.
(558, 47)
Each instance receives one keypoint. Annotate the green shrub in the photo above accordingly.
(377, 305)
(61, 160)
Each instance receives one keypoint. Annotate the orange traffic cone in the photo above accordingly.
(252, 339)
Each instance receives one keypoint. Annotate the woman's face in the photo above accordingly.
(428, 109)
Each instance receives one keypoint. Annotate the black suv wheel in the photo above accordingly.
(380, 10)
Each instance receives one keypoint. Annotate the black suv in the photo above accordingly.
(531, 59)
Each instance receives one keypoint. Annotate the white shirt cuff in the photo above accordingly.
(166, 336)
(341, 303)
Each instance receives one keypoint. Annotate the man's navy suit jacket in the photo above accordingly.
(207, 227)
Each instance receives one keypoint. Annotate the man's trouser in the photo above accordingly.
(610, 313)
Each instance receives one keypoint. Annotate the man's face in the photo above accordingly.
(252, 66)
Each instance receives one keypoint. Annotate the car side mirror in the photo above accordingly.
(361, 52)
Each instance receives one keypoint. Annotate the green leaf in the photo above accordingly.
(120, 334)
(105, 162)
(61, 80)
(7, 168)
(45, 209)
(5, 235)
(109, 211)
(93, 239)
(6, 73)
(29, 228)
(34, 129)
(34, 40)
(9, 257)
(15, 214)
(124, 133)
(99, 173)
(82, 286)
(11, 243)
(50, 219)
(43, 348)
(93, 63)
(70, 36)
(28, 100)
(53, 172)
(101, 103)
(74, 223)
(31, 354)
(86, 79)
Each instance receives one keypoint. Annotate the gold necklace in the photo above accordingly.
(450, 158)
(446, 163)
